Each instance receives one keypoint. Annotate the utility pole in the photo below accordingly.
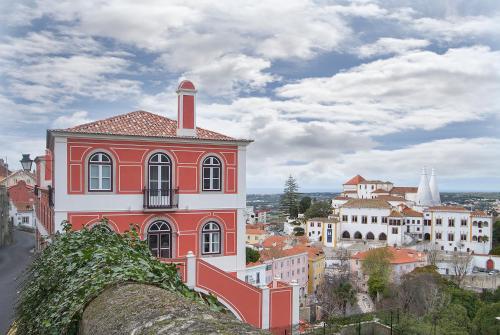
(391, 322)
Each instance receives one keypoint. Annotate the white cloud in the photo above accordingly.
(417, 90)
(67, 121)
(388, 45)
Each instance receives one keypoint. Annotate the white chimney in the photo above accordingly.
(424, 197)
(186, 112)
(436, 198)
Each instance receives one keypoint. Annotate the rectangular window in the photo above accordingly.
(26, 219)
(384, 219)
(394, 230)
(451, 222)
(463, 222)
(451, 237)
(439, 221)
(463, 237)
(438, 236)
(354, 218)
(364, 219)
(258, 278)
(374, 219)
(344, 218)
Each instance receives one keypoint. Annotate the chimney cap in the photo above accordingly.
(186, 85)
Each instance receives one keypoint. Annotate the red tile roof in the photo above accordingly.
(141, 123)
(252, 231)
(399, 255)
(341, 198)
(411, 213)
(274, 241)
(448, 209)
(391, 198)
(367, 203)
(354, 180)
(380, 191)
(480, 213)
(404, 189)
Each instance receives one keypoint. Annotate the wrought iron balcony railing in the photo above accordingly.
(160, 198)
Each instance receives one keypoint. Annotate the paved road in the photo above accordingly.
(13, 260)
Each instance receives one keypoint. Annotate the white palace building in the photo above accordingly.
(378, 211)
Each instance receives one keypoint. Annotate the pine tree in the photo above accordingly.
(290, 198)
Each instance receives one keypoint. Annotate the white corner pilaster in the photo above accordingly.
(265, 306)
(295, 302)
(190, 270)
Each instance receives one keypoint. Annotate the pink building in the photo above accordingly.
(288, 264)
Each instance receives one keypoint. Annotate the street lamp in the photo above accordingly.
(26, 162)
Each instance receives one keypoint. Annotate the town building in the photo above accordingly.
(255, 236)
(323, 230)
(316, 266)
(22, 200)
(17, 176)
(256, 274)
(402, 261)
(182, 187)
(4, 169)
(262, 215)
(404, 216)
(287, 264)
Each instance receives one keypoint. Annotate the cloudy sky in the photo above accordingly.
(327, 89)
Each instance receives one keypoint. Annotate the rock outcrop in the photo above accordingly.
(138, 309)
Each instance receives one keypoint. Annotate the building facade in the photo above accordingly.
(182, 187)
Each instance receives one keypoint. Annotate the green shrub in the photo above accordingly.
(79, 265)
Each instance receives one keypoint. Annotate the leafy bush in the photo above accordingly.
(78, 266)
(252, 255)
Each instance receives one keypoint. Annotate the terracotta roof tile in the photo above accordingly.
(367, 203)
(480, 213)
(141, 123)
(391, 198)
(354, 180)
(399, 255)
(274, 241)
(380, 191)
(252, 231)
(341, 198)
(403, 190)
(448, 209)
(411, 213)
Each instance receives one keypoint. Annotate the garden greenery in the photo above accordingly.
(79, 265)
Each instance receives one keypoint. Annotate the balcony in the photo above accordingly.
(160, 198)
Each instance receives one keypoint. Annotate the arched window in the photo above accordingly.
(485, 224)
(160, 239)
(370, 236)
(480, 239)
(382, 237)
(210, 237)
(346, 234)
(211, 169)
(358, 236)
(100, 172)
(427, 237)
(159, 180)
(474, 238)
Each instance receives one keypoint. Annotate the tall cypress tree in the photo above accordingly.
(290, 198)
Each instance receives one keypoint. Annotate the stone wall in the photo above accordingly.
(143, 309)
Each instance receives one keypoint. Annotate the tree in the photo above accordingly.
(460, 263)
(378, 267)
(454, 320)
(485, 323)
(252, 255)
(495, 250)
(304, 204)
(289, 199)
(432, 254)
(335, 295)
(319, 209)
(496, 234)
